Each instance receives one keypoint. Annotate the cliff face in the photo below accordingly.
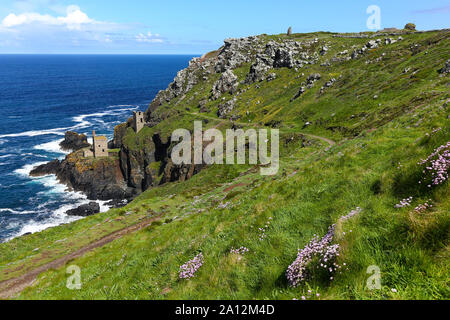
(134, 164)
(145, 157)
(97, 178)
(265, 80)
(119, 133)
(151, 165)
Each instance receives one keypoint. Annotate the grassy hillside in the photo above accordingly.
(387, 110)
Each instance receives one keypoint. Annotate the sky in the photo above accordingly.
(189, 26)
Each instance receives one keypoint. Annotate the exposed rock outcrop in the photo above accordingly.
(85, 210)
(135, 164)
(446, 68)
(283, 58)
(152, 165)
(97, 178)
(312, 79)
(327, 84)
(258, 69)
(301, 91)
(227, 82)
(51, 167)
(74, 141)
(226, 108)
(234, 53)
(119, 133)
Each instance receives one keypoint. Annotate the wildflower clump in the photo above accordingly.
(296, 272)
(421, 208)
(404, 203)
(262, 231)
(350, 214)
(189, 269)
(437, 164)
(310, 295)
(433, 132)
(322, 248)
(241, 250)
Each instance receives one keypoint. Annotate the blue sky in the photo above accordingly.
(189, 26)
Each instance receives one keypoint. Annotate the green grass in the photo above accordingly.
(373, 166)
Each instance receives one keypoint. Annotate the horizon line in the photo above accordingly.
(107, 53)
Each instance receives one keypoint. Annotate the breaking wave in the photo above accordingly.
(52, 146)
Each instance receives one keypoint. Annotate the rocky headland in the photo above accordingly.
(143, 159)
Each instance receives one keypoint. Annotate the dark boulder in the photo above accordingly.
(45, 169)
(283, 59)
(117, 203)
(74, 141)
(446, 68)
(85, 210)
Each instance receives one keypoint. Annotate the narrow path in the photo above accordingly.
(329, 141)
(12, 287)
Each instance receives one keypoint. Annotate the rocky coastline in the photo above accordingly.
(143, 161)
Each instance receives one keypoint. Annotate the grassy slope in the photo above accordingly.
(373, 166)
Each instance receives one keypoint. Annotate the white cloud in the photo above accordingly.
(69, 30)
(73, 20)
(149, 37)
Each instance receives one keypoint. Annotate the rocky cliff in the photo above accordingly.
(239, 82)
(74, 141)
(97, 178)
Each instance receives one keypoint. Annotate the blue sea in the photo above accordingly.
(43, 96)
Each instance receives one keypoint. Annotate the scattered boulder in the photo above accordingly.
(389, 41)
(327, 84)
(202, 105)
(74, 141)
(311, 79)
(271, 76)
(85, 210)
(372, 44)
(301, 91)
(226, 108)
(446, 68)
(117, 203)
(323, 50)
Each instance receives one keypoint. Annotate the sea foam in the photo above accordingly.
(26, 169)
(52, 146)
(34, 133)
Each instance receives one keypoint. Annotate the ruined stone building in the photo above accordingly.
(100, 144)
(138, 121)
(99, 147)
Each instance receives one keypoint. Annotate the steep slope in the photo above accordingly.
(356, 116)
(336, 85)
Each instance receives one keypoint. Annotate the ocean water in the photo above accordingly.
(43, 96)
